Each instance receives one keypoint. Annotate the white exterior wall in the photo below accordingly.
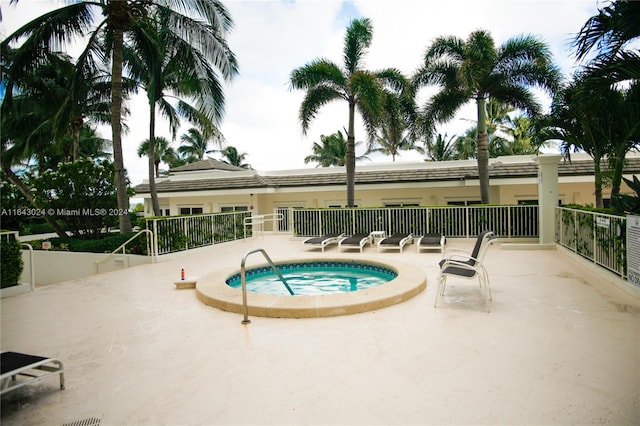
(57, 266)
(505, 191)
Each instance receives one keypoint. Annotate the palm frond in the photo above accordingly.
(357, 41)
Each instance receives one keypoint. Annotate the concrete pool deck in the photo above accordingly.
(561, 346)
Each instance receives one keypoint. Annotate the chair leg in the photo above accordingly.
(440, 291)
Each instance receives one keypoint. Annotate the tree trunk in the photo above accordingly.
(351, 156)
(116, 130)
(152, 159)
(598, 183)
(76, 125)
(483, 151)
(24, 189)
(616, 178)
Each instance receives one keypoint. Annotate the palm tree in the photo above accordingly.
(397, 113)
(195, 144)
(474, 70)
(331, 151)
(325, 82)
(524, 140)
(573, 120)
(230, 155)
(599, 120)
(157, 61)
(441, 149)
(201, 23)
(163, 152)
(611, 31)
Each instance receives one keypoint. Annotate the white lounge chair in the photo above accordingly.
(461, 264)
(323, 241)
(395, 242)
(14, 364)
(433, 241)
(356, 241)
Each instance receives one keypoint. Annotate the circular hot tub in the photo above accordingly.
(405, 281)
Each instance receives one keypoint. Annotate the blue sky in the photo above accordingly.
(271, 38)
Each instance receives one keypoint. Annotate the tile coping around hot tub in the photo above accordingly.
(213, 290)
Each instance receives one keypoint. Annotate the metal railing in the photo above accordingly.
(255, 223)
(150, 250)
(452, 221)
(243, 279)
(176, 233)
(595, 236)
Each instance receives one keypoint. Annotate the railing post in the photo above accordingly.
(31, 265)
(467, 222)
(186, 234)
(155, 233)
(575, 231)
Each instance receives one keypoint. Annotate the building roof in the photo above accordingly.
(412, 173)
(206, 164)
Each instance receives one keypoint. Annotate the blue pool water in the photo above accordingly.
(313, 278)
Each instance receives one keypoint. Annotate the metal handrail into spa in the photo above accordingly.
(243, 269)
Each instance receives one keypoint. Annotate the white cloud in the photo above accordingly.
(271, 38)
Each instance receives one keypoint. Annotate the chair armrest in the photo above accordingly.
(460, 264)
(455, 251)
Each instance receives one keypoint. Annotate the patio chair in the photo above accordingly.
(14, 364)
(433, 241)
(356, 241)
(395, 241)
(461, 264)
(323, 241)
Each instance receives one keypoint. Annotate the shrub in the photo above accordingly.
(105, 245)
(10, 261)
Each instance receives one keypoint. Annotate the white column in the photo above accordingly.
(547, 195)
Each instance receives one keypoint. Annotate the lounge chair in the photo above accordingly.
(460, 264)
(432, 241)
(323, 241)
(14, 364)
(356, 241)
(395, 241)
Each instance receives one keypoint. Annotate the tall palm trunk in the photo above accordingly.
(76, 125)
(483, 151)
(152, 159)
(116, 128)
(24, 189)
(351, 156)
(598, 183)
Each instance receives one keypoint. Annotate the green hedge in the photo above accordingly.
(104, 245)
(10, 261)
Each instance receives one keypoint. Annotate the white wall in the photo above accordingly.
(56, 266)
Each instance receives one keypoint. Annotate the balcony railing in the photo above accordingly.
(596, 236)
(452, 221)
(186, 232)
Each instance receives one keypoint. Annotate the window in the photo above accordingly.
(401, 204)
(463, 203)
(230, 209)
(527, 202)
(190, 210)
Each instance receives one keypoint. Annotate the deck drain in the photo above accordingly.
(91, 421)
